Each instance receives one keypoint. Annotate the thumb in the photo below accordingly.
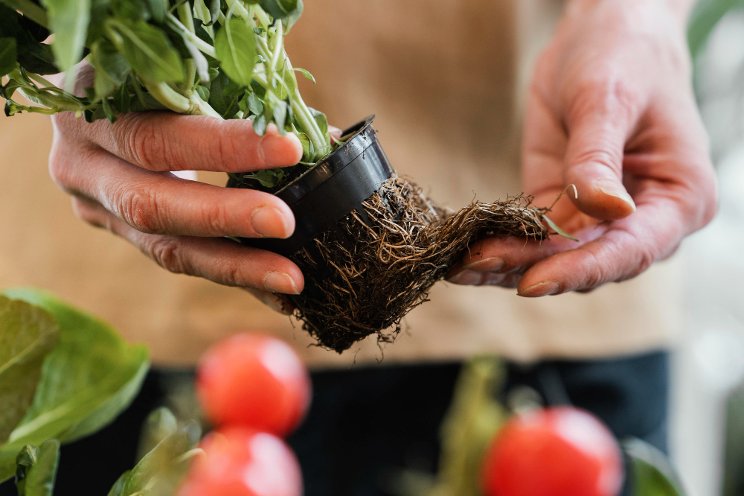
(594, 164)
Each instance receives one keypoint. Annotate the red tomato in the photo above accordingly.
(255, 381)
(553, 452)
(239, 461)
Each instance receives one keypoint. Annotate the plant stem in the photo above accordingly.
(177, 102)
(276, 58)
(321, 143)
(202, 45)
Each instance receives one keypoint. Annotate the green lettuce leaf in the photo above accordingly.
(87, 380)
(27, 335)
(37, 469)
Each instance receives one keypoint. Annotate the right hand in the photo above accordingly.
(119, 176)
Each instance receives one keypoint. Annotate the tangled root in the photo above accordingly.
(379, 262)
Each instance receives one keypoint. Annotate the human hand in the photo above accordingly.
(120, 177)
(611, 111)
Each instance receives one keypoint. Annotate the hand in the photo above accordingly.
(120, 178)
(610, 111)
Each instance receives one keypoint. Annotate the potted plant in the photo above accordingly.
(370, 243)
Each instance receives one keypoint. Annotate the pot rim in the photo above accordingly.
(328, 166)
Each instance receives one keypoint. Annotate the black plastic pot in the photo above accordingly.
(334, 187)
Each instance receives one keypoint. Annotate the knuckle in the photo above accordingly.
(142, 141)
(232, 275)
(216, 220)
(228, 149)
(139, 208)
(167, 253)
(601, 154)
(611, 95)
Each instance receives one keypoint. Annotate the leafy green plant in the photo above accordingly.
(168, 447)
(70, 396)
(222, 58)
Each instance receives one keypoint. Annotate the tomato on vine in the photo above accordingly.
(559, 451)
(253, 380)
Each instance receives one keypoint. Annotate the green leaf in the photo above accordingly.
(27, 335)
(321, 120)
(88, 379)
(33, 55)
(307, 74)
(111, 68)
(279, 114)
(282, 9)
(224, 95)
(555, 227)
(650, 470)
(132, 10)
(201, 12)
(160, 471)
(148, 50)
(158, 9)
(68, 19)
(259, 125)
(255, 105)
(160, 424)
(268, 178)
(235, 45)
(8, 54)
(36, 469)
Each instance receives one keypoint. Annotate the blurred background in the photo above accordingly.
(708, 398)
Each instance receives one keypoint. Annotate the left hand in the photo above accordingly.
(611, 111)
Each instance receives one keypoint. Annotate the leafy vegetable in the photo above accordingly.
(27, 334)
(222, 58)
(235, 47)
(171, 447)
(89, 377)
(650, 471)
(68, 19)
(37, 469)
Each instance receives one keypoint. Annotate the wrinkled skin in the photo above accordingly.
(612, 123)
(610, 111)
(120, 177)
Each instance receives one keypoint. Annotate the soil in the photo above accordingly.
(379, 262)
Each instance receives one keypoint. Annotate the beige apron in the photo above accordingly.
(443, 78)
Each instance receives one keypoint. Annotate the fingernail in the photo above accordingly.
(492, 264)
(467, 278)
(279, 282)
(545, 288)
(270, 222)
(281, 149)
(612, 188)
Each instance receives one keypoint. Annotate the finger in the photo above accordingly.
(514, 255)
(159, 203)
(163, 141)
(218, 260)
(473, 278)
(598, 128)
(628, 248)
